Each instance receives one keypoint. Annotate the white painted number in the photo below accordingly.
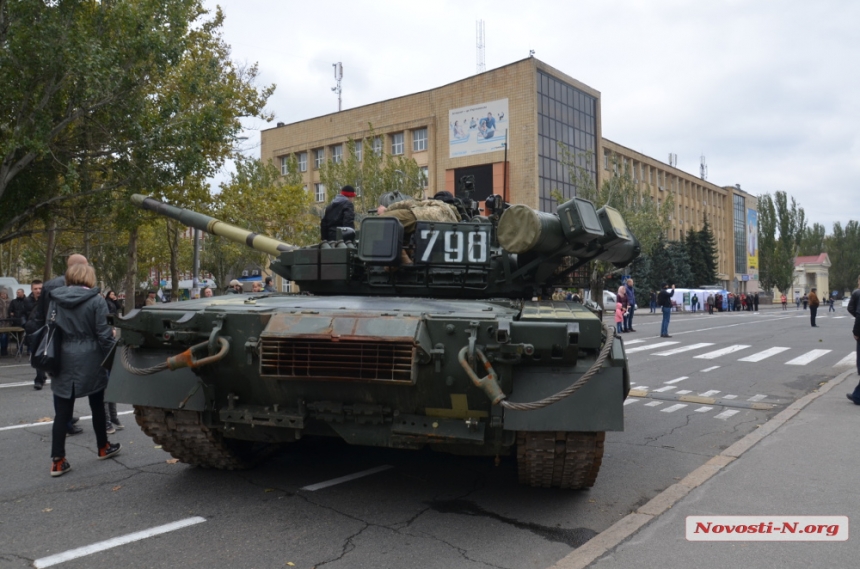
(433, 235)
(477, 247)
(478, 250)
(453, 252)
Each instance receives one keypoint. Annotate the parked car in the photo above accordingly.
(609, 299)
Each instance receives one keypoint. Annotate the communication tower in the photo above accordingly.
(338, 76)
(703, 168)
(479, 46)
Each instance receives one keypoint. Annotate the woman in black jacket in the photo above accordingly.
(86, 338)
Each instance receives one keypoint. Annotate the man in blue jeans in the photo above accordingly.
(664, 301)
(854, 310)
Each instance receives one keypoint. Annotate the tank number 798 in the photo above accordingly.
(459, 247)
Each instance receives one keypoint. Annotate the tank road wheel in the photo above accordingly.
(184, 436)
(559, 459)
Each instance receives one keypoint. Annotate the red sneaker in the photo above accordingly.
(109, 450)
(60, 466)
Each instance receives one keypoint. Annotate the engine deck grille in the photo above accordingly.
(345, 360)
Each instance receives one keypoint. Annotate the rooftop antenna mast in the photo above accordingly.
(703, 168)
(479, 46)
(338, 76)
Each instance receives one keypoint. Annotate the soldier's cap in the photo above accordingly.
(347, 191)
(234, 282)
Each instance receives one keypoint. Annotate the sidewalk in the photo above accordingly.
(799, 463)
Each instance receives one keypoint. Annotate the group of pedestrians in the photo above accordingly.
(80, 314)
(625, 306)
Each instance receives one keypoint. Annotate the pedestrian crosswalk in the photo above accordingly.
(678, 348)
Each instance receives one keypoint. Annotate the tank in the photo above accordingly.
(451, 351)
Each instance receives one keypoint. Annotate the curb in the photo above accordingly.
(611, 537)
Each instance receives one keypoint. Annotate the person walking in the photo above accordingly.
(805, 300)
(81, 316)
(830, 302)
(710, 302)
(854, 310)
(664, 300)
(755, 302)
(631, 306)
(813, 306)
(784, 301)
(694, 302)
(797, 301)
(652, 301)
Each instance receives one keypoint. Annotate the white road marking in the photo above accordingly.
(628, 342)
(683, 391)
(13, 427)
(631, 400)
(674, 351)
(16, 365)
(730, 396)
(807, 357)
(703, 409)
(757, 397)
(667, 388)
(712, 368)
(710, 393)
(653, 404)
(722, 352)
(114, 542)
(764, 355)
(347, 478)
(677, 379)
(673, 408)
(847, 360)
(645, 387)
(22, 384)
(651, 347)
(838, 317)
(726, 414)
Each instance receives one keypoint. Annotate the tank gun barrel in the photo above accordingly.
(213, 226)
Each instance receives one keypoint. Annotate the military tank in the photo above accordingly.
(451, 351)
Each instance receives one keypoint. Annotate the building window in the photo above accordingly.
(566, 115)
(419, 140)
(319, 158)
(740, 234)
(319, 192)
(305, 187)
(357, 148)
(303, 161)
(424, 176)
(397, 144)
(285, 165)
(337, 153)
(377, 145)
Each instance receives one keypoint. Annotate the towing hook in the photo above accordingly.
(489, 383)
(187, 358)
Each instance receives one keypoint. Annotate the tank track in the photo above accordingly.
(184, 436)
(559, 459)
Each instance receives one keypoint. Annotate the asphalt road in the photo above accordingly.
(409, 509)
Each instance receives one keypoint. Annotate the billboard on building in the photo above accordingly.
(477, 129)
(752, 241)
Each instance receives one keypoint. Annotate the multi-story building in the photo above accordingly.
(505, 127)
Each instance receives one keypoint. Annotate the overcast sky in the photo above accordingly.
(768, 91)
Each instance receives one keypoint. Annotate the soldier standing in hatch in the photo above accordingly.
(339, 213)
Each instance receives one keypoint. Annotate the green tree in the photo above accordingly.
(131, 95)
(843, 248)
(791, 223)
(767, 240)
(375, 174)
(707, 247)
(812, 241)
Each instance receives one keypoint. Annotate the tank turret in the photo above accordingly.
(513, 254)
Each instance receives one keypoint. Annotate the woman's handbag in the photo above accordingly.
(46, 356)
